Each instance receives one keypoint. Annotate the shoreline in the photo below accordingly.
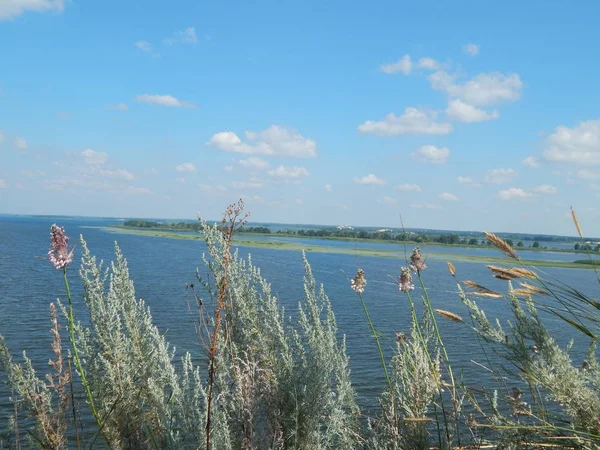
(242, 241)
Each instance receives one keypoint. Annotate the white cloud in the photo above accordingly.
(409, 187)
(531, 162)
(163, 100)
(425, 206)
(187, 167)
(220, 187)
(388, 200)
(369, 179)
(499, 176)
(20, 143)
(228, 168)
(289, 173)
(328, 188)
(413, 121)
(93, 158)
(429, 63)
(403, 65)
(3, 184)
(254, 163)
(187, 36)
(448, 197)
(117, 107)
(468, 181)
(463, 112)
(299, 201)
(577, 145)
(484, 89)
(471, 49)
(118, 174)
(513, 194)
(144, 46)
(275, 140)
(432, 154)
(205, 187)
(13, 8)
(585, 174)
(246, 185)
(545, 189)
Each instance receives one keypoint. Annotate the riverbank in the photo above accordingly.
(243, 241)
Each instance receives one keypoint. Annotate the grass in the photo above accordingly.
(293, 246)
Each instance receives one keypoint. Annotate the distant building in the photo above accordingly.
(345, 227)
(383, 230)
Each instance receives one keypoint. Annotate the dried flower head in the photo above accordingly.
(576, 222)
(59, 254)
(513, 272)
(449, 315)
(501, 244)
(451, 269)
(405, 284)
(400, 336)
(359, 282)
(417, 263)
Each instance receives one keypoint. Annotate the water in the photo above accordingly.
(161, 267)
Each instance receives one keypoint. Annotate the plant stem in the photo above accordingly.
(76, 353)
(387, 376)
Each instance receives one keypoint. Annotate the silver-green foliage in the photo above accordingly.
(279, 385)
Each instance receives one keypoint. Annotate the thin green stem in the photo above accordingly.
(375, 335)
(76, 353)
(443, 347)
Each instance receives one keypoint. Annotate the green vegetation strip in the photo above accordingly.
(293, 246)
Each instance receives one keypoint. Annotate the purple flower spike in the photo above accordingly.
(59, 254)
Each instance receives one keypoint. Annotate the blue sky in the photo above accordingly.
(453, 115)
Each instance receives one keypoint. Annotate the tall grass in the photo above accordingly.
(268, 383)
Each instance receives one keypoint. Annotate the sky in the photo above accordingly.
(462, 115)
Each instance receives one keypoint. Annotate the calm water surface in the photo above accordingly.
(161, 267)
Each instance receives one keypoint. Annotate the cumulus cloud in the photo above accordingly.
(163, 100)
(144, 46)
(578, 145)
(448, 197)
(254, 163)
(246, 185)
(545, 189)
(388, 200)
(299, 201)
(531, 162)
(92, 158)
(20, 143)
(187, 167)
(283, 173)
(369, 179)
(463, 112)
(10, 9)
(429, 64)
(117, 107)
(187, 36)
(484, 89)
(412, 121)
(513, 194)
(432, 154)
(467, 181)
(328, 188)
(499, 176)
(134, 190)
(275, 140)
(117, 174)
(471, 49)
(409, 187)
(403, 65)
(228, 168)
(585, 174)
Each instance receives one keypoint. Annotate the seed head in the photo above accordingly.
(359, 282)
(59, 254)
(405, 284)
(417, 263)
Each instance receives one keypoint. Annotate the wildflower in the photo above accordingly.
(59, 254)
(417, 263)
(400, 336)
(405, 283)
(451, 269)
(359, 282)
